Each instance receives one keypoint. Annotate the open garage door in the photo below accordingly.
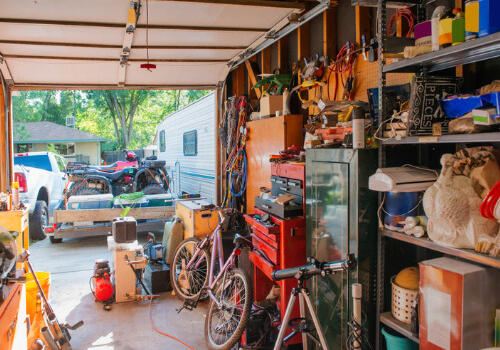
(103, 43)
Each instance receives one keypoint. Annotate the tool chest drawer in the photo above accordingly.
(263, 264)
(282, 211)
(271, 231)
(281, 185)
(270, 252)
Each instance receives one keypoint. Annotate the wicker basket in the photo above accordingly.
(402, 302)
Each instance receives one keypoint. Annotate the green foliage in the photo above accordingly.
(127, 118)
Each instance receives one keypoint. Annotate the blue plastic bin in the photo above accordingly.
(397, 342)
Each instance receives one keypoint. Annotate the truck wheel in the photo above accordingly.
(87, 192)
(38, 220)
(55, 240)
(153, 189)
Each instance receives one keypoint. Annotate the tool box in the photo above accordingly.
(278, 244)
(124, 229)
(157, 277)
(198, 221)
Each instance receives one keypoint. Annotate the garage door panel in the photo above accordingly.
(63, 51)
(184, 54)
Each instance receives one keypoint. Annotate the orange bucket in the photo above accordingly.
(32, 291)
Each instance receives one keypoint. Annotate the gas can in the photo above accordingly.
(471, 19)
(489, 17)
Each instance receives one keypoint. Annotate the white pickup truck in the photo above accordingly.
(42, 178)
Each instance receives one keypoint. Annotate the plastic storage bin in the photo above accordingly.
(489, 18)
(32, 291)
(396, 342)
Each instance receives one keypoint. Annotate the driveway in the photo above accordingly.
(127, 325)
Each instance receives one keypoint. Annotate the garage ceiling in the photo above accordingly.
(101, 43)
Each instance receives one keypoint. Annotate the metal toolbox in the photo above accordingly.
(283, 211)
(124, 229)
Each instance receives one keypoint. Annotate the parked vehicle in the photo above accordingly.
(42, 179)
(187, 141)
(150, 177)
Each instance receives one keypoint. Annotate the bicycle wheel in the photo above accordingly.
(224, 325)
(189, 283)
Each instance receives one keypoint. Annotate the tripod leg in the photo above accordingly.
(303, 315)
(314, 317)
(284, 322)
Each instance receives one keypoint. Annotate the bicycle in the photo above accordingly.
(230, 293)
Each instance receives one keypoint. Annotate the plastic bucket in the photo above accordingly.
(32, 291)
(398, 206)
(395, 342)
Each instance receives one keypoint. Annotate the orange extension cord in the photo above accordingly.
(162, 333)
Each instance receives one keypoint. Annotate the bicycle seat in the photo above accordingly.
(239, 240)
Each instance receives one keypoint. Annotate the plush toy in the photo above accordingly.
(452, 203)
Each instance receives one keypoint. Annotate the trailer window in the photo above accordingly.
(162, 141)
(190, 144)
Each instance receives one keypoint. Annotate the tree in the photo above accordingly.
(122, 106)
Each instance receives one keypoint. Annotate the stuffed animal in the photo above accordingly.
(452, 206)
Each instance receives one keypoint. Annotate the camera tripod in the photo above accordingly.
(302, 324)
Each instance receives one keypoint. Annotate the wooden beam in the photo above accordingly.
(259, 3)
(84, 215)
(330, 32)
(239, 81)
(363, 20)
(105, 46)
(265, 64)
(303, 44)
(111, 59)
(252, 78)
(283, 53)
(139, 26)
(4, 141)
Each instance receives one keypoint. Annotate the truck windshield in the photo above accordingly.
(39, 161)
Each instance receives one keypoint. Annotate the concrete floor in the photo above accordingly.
(126, 326)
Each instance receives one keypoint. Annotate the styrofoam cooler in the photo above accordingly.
(160, 200)
(95, 201)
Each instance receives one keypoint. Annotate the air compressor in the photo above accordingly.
(101, 285)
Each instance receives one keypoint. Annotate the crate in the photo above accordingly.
(198, 222)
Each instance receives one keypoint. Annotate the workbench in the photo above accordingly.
(17, 221)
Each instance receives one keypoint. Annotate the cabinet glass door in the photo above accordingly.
(327, 196)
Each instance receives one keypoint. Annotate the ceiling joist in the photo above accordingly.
(139, 26)
(109, 59)
(105, 46)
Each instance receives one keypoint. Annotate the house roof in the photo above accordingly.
(41, 132)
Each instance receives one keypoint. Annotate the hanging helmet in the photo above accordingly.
(130, 156)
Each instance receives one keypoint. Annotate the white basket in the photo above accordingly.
(402, 302)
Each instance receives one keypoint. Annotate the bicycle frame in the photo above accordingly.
(217, 250)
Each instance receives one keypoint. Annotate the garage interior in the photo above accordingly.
(357, 177)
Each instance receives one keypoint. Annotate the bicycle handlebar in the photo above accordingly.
(315, 268)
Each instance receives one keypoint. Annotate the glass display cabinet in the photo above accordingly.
(341, 219)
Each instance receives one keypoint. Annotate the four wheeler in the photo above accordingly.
(150, 177)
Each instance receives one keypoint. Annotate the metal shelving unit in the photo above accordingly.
(455, 138)
(474, 51)
(466, 254)
(402, 328)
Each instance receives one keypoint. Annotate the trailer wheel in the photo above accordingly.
(153, 189)
(55, 240)
(38, 220)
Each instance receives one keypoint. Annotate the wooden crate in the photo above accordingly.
(197, 221)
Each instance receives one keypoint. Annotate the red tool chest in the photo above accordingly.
(279, 246)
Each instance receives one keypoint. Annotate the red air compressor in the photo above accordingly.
(101, 285)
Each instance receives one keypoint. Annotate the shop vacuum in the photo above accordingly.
(100, 283)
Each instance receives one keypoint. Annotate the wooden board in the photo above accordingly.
(266, 137)
(84, 215)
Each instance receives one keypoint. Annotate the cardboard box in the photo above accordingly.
(269, 104)
(457, 305)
